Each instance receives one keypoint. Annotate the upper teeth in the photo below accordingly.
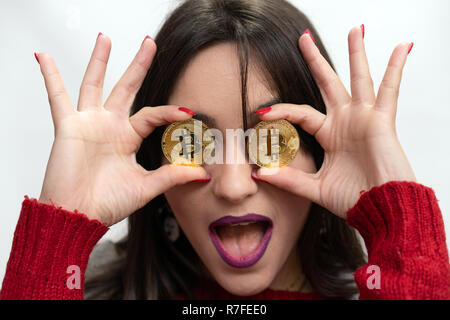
(241, 224)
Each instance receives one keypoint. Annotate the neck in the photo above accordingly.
(291, 276)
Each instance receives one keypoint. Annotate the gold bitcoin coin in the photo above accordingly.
(273, 143)
(183, 144)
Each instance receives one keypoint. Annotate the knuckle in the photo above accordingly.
(170, 178)
(141, 65)
(123, 89)
(357, 77)
(328, 83)
(55, 94)
(389, 86)
(150, 113)
(100, 60)
(131, 86)
(144, 111)
(304, 118)
(94, 83)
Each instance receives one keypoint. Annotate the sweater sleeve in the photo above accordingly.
(49, 253)
(403, 231)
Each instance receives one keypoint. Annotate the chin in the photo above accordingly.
(241, 283)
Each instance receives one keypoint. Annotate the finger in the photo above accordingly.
(148, 118)
(331, 87)
(361, 81)
(390, 85)
(308, 118)
(58, 98)
(92, 84)
(124, 92)
(168, 176)
(293, 180)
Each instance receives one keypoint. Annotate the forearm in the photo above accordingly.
(49, 254)
(403, 230)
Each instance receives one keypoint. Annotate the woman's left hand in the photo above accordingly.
(358, 132)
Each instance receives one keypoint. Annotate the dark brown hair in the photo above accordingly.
(266, 31)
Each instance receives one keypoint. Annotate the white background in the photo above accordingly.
(68, 29)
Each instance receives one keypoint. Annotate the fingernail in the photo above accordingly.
(309, 33)
(146, 37)
(99, 34)
(208, 177)
(37, 59)
(253, 174)
(363, 30)
(410, 47)
(187, 110)
(263, 111)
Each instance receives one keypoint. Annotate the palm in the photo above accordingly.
(103, 163)
(346, 136)
(357, 134)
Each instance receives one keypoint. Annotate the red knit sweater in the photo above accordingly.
(400, 222)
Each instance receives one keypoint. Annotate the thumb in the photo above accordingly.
(293, 180)
(169, 175)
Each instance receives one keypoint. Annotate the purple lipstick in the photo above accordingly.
(258, 221)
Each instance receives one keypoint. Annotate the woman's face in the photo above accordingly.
(211, 85)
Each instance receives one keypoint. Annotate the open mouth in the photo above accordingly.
(241, 241)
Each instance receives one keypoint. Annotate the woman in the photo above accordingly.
(233, 63)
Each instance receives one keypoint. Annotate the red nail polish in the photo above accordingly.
(263, 111)
(203, 180)
(363, 30)
(256, 178)
(187, 110)
(146, 37)
(99, 34)
(410, 47)
(37, 59)
(309, 33)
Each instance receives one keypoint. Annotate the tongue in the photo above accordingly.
(241, 240)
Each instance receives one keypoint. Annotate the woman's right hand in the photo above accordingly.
(92, 165)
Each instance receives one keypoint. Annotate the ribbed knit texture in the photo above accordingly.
(403, 230)
(400, 222)
(48, 240)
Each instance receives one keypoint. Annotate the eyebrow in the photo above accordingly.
(252, 118)
(206, 119)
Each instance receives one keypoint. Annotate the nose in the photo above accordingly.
(233, 182)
